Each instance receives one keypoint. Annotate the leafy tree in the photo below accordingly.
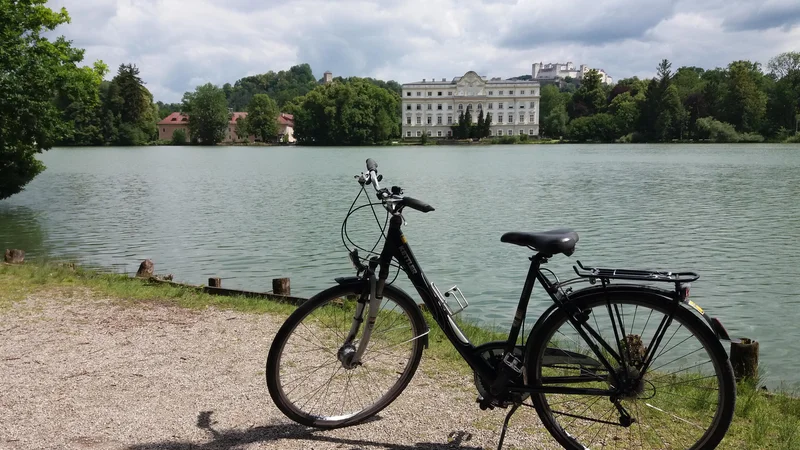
(33, 70)
(590, 98)
(783, 64)
(625, 111)
(553, 111)
(208, 114)
(283, 86)
(598, 127)
(165, 109)
(716, 131)
(80, 106)
(179, 137)
(487, 126)
(262, 119)
(458, 128)
(745, 104)
(354, 112)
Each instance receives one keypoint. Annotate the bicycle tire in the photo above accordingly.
(330, 307)
(654, 426)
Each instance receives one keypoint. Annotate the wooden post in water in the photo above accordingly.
(13, 256)
(744, 358)
(280, 286)
(215, 282)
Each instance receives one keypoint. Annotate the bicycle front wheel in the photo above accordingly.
(684, 400)
(309, 376)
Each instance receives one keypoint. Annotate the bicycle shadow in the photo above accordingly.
(231, 439)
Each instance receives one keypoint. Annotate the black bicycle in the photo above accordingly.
(619, 363)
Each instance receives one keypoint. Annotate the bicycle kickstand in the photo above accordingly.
(505, 425)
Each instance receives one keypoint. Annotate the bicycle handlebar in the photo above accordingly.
(383, 194)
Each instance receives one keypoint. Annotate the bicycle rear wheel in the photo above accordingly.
(686, 397)
(308, 374)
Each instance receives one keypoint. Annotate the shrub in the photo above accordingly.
(179, 137)
(751, 137)
(716, 131)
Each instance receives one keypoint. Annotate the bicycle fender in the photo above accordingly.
(667, 296)
(396, 293)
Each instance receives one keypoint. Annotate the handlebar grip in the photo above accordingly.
(419, 205)
(372, 166)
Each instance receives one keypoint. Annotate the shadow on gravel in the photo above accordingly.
(231, 439)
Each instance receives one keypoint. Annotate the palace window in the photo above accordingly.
(501, 93)
(522, 92)
(419, 106)
(430, 94)
(408, 120)
(430, 106)
(429, 133)
(522, 118)
(521, 132)
(440, 93)
(438, 134)
(532, 118)
(439, 106)
(490, 106)
(408, 133)
(500, 105)
(408, 106)
(449, 107)
(419, 94)
(510, 132)
(480, 106)
(449, 133)
(408, 94)
(533, 105)
(491, 92)
(499, 118)
(419, 120)
(450, 93)
(438, 120)
(430, 120)
(530, 132)
(449, 120)
(499, 132)
(419, 133)
(510, 92)
(460, 106)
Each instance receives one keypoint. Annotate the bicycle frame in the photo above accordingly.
(396, 246)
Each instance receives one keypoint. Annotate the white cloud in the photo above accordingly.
(179, 44)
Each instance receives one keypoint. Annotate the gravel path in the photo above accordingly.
(81, 372)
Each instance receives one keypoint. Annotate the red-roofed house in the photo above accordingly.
(176, 121)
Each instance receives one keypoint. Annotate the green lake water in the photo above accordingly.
(250, 214)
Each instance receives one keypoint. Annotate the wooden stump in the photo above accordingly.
(14, 256)
(280, 286)
(744, 359)
(145, 269)
(215, 282)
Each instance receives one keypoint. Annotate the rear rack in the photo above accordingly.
(633, 274)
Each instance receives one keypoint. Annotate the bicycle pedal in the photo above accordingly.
(484, 403)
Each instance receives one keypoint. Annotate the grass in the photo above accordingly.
(763, 420)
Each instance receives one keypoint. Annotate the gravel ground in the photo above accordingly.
(81, 372)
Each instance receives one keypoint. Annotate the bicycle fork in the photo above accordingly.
(349, 355)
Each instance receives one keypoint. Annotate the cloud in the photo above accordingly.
(763, 16)
(180, 44)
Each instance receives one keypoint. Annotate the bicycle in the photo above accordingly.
(595, 373)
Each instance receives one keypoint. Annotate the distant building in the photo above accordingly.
(176, 120)
(560, 71)
(432, 107)
(327, 77)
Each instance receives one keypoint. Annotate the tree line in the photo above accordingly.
(738, 103)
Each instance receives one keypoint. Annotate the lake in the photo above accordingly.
(250, 214)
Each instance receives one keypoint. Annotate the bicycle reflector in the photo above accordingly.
(683, 290)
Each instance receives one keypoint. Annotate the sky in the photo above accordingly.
(180, 44)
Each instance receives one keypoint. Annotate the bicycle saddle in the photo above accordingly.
(550, 242)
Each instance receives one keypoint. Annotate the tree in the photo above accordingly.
(553, 111)
(487, 126)
(33, 70)
(208, 114)
(80, 106)
(745, 104)
(262, 119)
(625, 111)
(179, 137)
(354, 112)
(598, 127)
(784, 64)
(477, 130)
(590, 98)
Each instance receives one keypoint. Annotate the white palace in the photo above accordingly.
(432, 107)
